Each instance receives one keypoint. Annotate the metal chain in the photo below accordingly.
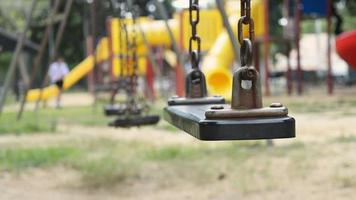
(246, 19)
(121, 35)
(132, 61)
(134, 76)
(246, 43)
(119, 9)
(194, 41)
(126, 55)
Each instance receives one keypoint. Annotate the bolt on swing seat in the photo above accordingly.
(196, 92)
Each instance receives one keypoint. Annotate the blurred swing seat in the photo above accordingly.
(138, 121)
(115, 109)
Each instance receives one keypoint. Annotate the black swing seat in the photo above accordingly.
(128, 122)
(192, 119)
(115, 109)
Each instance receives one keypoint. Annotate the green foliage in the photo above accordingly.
(351, 7)
(5, 59)
(14, 12)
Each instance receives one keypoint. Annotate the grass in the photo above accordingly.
(83, 115)
(345, 139)
(165, 126)
(105, 163)
(29, 124)
(46, 120)
(18, 159)
(319, 106)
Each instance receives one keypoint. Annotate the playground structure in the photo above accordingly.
(345, 46)
(216, 65)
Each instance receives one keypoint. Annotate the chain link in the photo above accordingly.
(134, 52)
(121, 35)
(247, 20)
(126, 55)
(246, 43)
(194, 41)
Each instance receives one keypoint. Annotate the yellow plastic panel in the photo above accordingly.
(209, 28)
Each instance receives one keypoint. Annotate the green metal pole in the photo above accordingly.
(14, 60)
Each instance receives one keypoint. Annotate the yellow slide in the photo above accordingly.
(74, 76)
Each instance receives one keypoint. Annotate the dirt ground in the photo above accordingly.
(332, 175)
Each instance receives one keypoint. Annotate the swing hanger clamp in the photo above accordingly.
(246, 95)
(195, 83)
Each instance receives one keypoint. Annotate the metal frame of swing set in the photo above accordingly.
(38, 59)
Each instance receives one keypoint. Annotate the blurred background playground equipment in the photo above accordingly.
(345, 45)
(220, 55)
(128, 57)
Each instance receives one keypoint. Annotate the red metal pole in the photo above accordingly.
(179, 68)
(289, 72)
(99, 73)
(330, 76)
(266, 47)
(90, 45)
(90, 51)
(297, 41)
(150, 77)
(111, 54)
(288, 48)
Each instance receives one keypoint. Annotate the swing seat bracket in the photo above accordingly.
(174, 101)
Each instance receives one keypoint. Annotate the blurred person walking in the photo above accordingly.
(58, 70)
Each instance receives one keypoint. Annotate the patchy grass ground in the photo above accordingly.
(83, 159)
